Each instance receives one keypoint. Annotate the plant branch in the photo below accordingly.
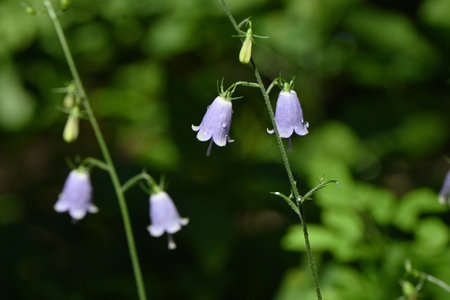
(284, 158)
(104, 149)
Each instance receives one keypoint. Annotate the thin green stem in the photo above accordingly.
(93, 162)
(246, 83)
(132, 182)
(271, 86)
(285, 161)
(288, 201)
(316, 188)
(106, 155)
(430, 278)
(141, 176)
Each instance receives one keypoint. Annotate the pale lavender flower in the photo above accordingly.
(216, 123)
(444, 194)
(289, 115)
(164, 217)
(76, 197)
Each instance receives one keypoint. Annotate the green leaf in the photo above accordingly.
(432, 236)
(414, 204)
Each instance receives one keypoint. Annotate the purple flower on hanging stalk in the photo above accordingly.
(289, 115)
(76, 197)
(444, 194)
(164, 217)
(216, 123)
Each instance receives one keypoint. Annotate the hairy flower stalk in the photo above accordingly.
(216, 123)
(76, 197)
(285, 159)
(164, 217)
(444, 194)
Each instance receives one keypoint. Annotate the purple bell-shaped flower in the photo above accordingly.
(216, 123)
(289, 115)
(76, 197)
(164, 217)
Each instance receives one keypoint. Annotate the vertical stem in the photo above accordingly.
(107, 157)
(285, 159)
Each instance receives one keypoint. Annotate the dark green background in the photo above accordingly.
(372, 77)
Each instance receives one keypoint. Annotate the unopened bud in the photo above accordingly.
(69, 100)
(29, 10)
(409, 290)
(246, 51)
(71, 129)
(64, 4)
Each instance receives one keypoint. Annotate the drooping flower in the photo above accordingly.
(444, 194)
(289, 115)
(216, 123)
(164, 217)
(76, 197)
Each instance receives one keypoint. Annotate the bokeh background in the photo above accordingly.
(373, 81)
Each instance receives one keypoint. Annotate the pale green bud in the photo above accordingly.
(246, 51)
(71, 129)
(409, 290)
(30, 10)
(64, 4)
(69, 100)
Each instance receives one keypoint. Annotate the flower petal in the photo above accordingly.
(204, 135)
(77, 213)
(155, 231)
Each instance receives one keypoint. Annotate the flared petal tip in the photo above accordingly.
(77, 214)
(301, 131)
(92, 209)
(204, 135)
(221, 140)
(174, 227)
(285, 132)
(270, 131)
(59, 207)
(195, 128)
(155, 231)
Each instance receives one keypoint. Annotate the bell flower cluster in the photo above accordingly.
(216, 122)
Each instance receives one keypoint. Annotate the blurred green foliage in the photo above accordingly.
(373, 80)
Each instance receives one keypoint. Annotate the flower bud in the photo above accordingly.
(64, 4)
(409, 290)
(69, 101)
(71, 129)
(246, 51)
(29, 9)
